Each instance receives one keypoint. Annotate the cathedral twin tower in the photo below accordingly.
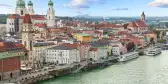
(22, 10)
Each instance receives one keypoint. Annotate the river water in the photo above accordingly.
(143, 70)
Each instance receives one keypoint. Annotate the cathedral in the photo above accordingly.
(31, 27)
(39, 22)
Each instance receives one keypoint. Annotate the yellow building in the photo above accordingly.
(83, 37)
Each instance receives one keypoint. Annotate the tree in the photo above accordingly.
(130, 46)
(152, 40)
(162, 41)
(157, 33)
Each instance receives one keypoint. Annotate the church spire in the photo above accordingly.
(20, 8)
(51, 14)
(30, 8)
(143, 17)
(50, 3)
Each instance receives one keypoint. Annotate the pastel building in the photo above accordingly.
(118, 49)
(11, 55)
(94, 54)
(38, 53)
(103, 47)
(84, 50)
(83, 37)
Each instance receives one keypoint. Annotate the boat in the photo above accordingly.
(165, 47)
(154, 52)
(128, 56)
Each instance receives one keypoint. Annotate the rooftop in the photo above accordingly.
(83, 34)
(63, 47)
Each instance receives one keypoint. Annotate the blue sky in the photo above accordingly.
(95, 7)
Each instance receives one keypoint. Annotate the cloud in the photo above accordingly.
(5, 5)
(82, 4)
(159, 3)
(119, 9)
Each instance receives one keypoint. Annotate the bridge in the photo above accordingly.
(162, 31)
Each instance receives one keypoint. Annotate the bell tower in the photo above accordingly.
(20, 8)
(30, 8)
(27, 32)
(51, 15)
(143, 17)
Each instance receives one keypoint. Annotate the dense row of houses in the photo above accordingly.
(43, 42)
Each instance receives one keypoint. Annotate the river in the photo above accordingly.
(143, 70)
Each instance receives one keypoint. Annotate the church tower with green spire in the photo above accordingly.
(51, 14)
(30, 8)
(143, 17)
(21, 8)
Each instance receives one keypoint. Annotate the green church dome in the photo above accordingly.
(20, 3)
(30, 3)
(50, 3)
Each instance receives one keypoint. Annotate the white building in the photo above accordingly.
(97, 54)
(116, 50)
(13, 23)
(62, 55)
(38, 53)
(93, 54)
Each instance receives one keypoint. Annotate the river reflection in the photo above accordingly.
(143, 70)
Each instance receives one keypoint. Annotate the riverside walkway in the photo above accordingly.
(40, 72)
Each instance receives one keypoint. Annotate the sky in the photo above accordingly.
(121, 8)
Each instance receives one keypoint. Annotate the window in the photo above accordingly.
(21, 12)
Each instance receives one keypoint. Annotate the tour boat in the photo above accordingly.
(153, 52)
(128, 56)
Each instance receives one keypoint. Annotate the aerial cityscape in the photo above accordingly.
(83, 42)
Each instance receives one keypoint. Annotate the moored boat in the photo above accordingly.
(128, 56)
(153, 52)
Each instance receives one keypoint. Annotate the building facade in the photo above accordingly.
(62, 54)
(10, 60)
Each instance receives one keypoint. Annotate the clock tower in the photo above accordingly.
(27, 32)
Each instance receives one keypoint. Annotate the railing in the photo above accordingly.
(82, 65)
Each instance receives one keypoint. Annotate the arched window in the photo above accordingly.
(21, 12)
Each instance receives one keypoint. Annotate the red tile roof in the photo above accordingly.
(41, 25)
(115, 45)
(93, 49)
(141, 23)
(38, 17)
(108, 25)
(132, 24)
(27, 19)
(14, 16)
(7, 46)
(74, 45)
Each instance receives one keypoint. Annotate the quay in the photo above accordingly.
(55, 71)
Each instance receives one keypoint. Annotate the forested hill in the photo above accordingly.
(3, 18)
